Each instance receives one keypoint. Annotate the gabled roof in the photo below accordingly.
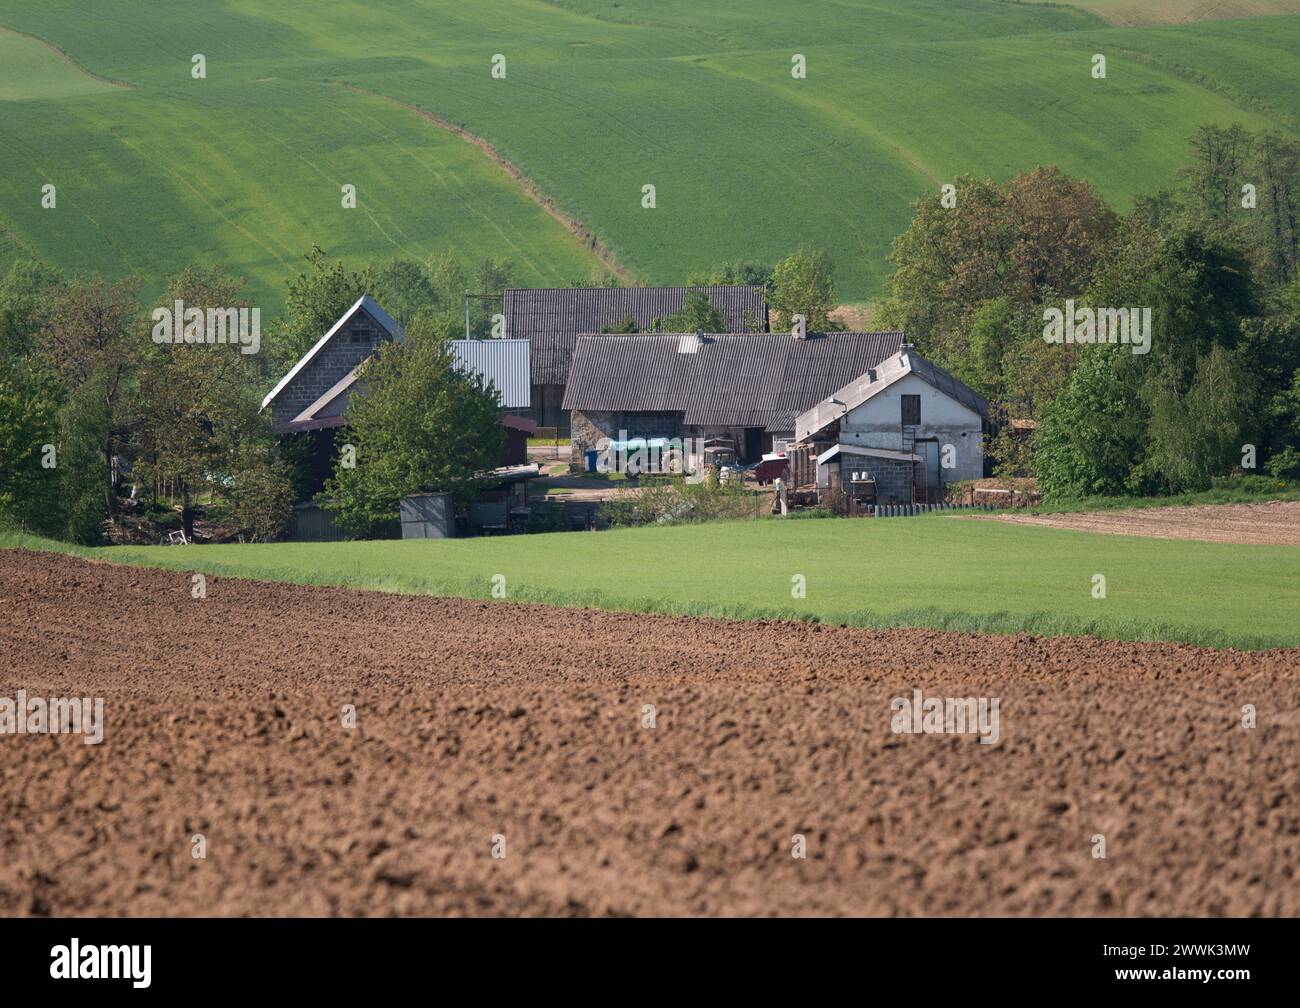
(553, 318)
(366, 303)
(875, 380)
(758, 380)
(503, 362)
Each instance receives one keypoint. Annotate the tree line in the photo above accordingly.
(1214, 258)
(107, 435)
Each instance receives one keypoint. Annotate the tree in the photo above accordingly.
(30, 399)
(1196, 435)
(93, 341)
(1274, 229)
(743, 274)
(696, 314)
(1198, 286)
(317, 297)
(197, 414)
(1034, 238)
(623, 328)
(804, 284)
(418, 424)
(1172, 419)
(1215, 174)
(259, 499)
(23, 295)
(403, 288)
(490, 283)
(1090, 436)
(1283, 418)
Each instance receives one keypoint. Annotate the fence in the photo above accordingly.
(909, 510)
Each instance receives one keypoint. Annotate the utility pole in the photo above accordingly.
(467, 313)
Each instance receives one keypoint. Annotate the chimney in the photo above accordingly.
(690, 342)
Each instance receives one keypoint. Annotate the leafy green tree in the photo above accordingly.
(1032, 239)
(697, 313)
(450, 281)
(1090, 437)
(743, 274)
(1197, 434)
(197, 421)
(1214, 176)
(403, 288)
(1174, 418)
(86, 419)
(624, 328)
(418, 424)
(1274, 225)
(93, 340)
(490, 283)
(24, 293)
(1283, 417)
(30, 400)
(258, 501)
(317, 297)
(1198, 286)
(804, 284)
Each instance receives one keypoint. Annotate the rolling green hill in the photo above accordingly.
(600, 98)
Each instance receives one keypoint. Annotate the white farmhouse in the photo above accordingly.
(906, 425)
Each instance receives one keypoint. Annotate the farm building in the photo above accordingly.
(552, 320)
(905, 427)
(747, 388)
(312, 398)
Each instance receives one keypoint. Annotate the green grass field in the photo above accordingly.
(935, 571)
(600, 98)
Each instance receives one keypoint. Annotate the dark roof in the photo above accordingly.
(954, 388)
(821, 415)
(552, 318)
(760, 380)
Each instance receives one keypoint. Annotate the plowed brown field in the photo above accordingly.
(477, 720)
(1274, 522)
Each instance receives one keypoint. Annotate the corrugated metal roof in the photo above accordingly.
(758, 380)
(552, 318)
(865, 385)
(502, 361)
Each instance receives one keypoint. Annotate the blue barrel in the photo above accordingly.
(591, 460)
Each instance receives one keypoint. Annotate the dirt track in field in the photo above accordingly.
(1275, 522)
(477, 719)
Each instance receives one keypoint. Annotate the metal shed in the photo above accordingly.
(428, 516)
